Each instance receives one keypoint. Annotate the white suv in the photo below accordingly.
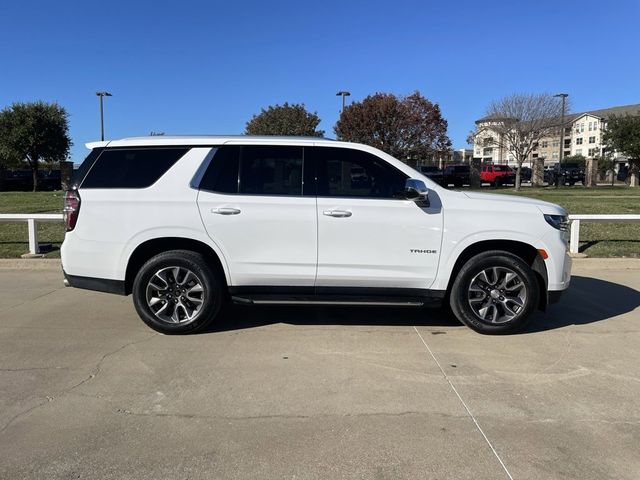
(185, 224)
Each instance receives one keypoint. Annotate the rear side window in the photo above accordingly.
(222, 174)
(271, 170)
(131, 167)
(255, 170)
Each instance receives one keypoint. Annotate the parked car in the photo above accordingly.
(525, 174)
(567, 173)
(186, 224)
(432, 172)
(456, 175)
(497, 175)
(22, 180)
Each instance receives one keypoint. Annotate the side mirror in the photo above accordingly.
(416, 190)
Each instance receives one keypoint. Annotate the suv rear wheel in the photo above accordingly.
(176, 292)
(495, 292)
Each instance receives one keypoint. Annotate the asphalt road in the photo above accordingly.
(87, 391)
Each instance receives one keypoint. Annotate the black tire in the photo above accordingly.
(211, 283)
(460, 301)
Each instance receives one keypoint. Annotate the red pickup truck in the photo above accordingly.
(497, 175)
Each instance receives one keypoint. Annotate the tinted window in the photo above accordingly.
(271, 170)
(342, 172)
(222, 174)
(81, 172)
(131, 167)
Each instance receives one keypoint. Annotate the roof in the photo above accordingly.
(206, 140)
(604, 113)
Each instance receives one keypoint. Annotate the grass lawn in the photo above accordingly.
(14, 240)
(596, 239)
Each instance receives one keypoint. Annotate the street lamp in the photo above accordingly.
(343, 94)
(563, 96)
(102, 95)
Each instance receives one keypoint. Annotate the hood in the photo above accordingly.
(544, 207)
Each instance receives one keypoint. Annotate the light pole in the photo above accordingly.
(343, 94)
(563, 96)
(102, 95)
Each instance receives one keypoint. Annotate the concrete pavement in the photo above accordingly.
(88, 391)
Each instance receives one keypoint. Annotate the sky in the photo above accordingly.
(191, 67)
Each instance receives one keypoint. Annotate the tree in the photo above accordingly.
(409, 128)
(517, 123)
(34, 132)
(285, 119)
(622, 134)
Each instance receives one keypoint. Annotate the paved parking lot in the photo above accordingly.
(87, 391)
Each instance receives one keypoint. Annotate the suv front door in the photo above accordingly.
(252, 206)
(368, 235)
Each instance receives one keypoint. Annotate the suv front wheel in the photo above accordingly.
(495, 292)
(176, 292)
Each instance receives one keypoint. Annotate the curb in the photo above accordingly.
(30, 264)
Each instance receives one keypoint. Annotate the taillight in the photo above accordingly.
(71, 209)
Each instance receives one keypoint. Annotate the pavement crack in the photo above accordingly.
(96, 370)
(26, 369)
(123, 411)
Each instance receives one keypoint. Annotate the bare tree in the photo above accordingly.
(518, 122)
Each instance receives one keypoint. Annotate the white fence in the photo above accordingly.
(33, 218)
(574, 240)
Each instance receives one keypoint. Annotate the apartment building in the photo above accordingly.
(582, 136)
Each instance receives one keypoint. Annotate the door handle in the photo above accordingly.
(226, 211)
(337, 213)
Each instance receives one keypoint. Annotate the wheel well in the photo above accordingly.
(150, 248)
(526, 252)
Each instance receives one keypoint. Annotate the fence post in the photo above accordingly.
(574, 242)
(34, 248)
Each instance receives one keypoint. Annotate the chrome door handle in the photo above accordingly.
(226, 211)
(337, 213)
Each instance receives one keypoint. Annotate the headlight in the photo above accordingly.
(559, 222)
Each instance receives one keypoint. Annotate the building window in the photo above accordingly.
(478, 151)
(592, 139)
(582, 127)
(556, 143)
(554, 155)
(487, 152)
(545, 144)
(578, 151)
(567, 142)
(595, 125)
(579, 141)
(567, 131)
(592, 152)
(590, 126)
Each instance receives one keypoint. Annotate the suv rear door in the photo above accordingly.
(368, 236)
(252, 205)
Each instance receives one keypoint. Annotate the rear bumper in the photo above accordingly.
(97, 284)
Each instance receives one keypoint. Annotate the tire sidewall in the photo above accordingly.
(178, 258)
(459, 292)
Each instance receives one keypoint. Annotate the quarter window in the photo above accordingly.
(342, 172)
(131, 167)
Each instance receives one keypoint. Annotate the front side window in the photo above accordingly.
(131, 167)
(343, 172)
